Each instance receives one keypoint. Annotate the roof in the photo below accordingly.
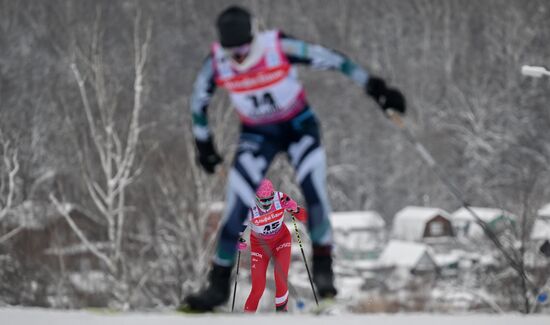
(453, 256)
(405, 254)
(485, 214)
(419, 213)
(544, 211)
(409, 223)
(541, 228)
(348, 220)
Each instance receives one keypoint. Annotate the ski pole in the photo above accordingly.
(398, 121)
(236, 279)
(305, 261)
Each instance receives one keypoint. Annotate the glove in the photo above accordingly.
(385, 97)
(300, 214)
(291, 206)
(241, 246)
(208, 157)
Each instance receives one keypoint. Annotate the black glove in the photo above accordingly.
(386, 97)
(208, 157)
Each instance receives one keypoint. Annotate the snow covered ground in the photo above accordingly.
(31, 316)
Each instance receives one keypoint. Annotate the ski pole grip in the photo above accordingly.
(395, 117)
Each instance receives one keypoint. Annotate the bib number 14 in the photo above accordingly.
(263, 102)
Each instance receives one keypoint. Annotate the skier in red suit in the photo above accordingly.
(270, 238)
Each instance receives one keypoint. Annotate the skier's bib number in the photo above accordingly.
(270, 229)
(263, 103)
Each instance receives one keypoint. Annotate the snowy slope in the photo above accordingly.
(28, 316)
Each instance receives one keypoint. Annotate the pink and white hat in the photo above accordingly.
(265, 194)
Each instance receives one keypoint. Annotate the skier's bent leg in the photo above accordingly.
(311, 174)
(309, 161)
(239, 198)
(248, 170)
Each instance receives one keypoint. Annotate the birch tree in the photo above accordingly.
(9, 167)
(109, 155)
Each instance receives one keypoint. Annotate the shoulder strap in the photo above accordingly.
(277, 200)
(255, 212)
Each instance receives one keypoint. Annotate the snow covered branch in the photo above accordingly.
(8, 171)
(64, 210)
(108, 181)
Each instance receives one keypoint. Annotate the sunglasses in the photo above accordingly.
(266, 200)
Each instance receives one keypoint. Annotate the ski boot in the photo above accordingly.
(282, 308)
(215, 294)
(323, 277)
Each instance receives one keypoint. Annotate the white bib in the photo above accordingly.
(269, 222)
(269, 91)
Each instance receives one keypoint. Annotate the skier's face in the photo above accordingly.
(238, 53)
(264, 202)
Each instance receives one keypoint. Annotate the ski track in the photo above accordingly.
(31, 316)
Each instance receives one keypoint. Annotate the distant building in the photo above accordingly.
(416, 224)
(541, 230)
(544, 211)
(465, 224)
(358, 234)
(541, 227)
(46, 236)
(417, 258)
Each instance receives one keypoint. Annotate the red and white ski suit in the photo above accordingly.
(270, 237)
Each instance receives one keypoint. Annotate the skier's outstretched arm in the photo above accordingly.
(323, 58)
(203, 90)
(292, 207)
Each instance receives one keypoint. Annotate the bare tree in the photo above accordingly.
(9, 167)
(113, 150)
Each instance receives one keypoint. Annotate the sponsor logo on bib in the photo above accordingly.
(257, 80)
(268, 218)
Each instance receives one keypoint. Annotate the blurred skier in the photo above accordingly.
(257, 70)
(270, 238)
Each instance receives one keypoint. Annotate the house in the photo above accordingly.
(358, 234)
(416, 258)
(465, 224)
(540, 234)
(415, 223)
(541, 227)
(45, 236)
(544, 211)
